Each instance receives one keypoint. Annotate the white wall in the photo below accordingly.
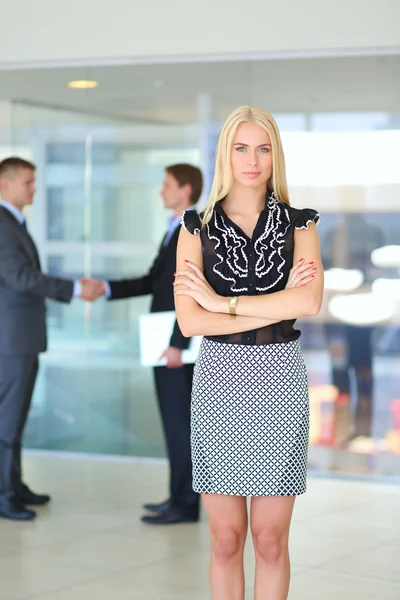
(56, 30)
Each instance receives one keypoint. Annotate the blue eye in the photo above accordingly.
(264, 150)
(240, 148)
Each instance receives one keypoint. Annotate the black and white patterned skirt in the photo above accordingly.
(250, 420)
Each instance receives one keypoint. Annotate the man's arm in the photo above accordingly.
(130, 288)
(18, 272)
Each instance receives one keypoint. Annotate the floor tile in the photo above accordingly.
(350, 525)
(110, 552)
(25, 576)
(315, 550)
(318, 585)
(130, 586)
(381, 563)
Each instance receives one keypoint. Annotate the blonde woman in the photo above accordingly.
(245, 272)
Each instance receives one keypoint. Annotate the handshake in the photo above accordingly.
(92, 289)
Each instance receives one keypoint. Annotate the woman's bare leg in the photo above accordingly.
(228, 522)
(270, 522)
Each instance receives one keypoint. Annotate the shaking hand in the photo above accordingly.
(92, 289)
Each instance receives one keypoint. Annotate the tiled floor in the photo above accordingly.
(90, 545)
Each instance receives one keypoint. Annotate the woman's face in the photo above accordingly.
(251, 156)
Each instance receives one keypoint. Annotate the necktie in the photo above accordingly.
(24, 225)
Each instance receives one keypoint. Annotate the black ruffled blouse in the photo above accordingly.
(235, 265)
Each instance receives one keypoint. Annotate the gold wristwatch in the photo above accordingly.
(232, 305)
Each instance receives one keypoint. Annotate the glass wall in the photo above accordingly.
(98, 212)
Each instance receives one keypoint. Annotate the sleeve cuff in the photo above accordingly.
(108, 290)
(77, 289)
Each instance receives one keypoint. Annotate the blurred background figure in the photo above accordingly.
(349, 245)
(181, 190)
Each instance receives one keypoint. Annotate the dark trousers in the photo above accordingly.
(174, 388)
(356, 353)
(17, 380)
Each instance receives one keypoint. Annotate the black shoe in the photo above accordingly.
(26, 496)
(158, 508)
(14, 510)
(170, 517)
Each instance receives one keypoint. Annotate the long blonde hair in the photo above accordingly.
(223, 178)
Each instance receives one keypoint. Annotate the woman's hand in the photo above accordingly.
(193, 283)
(300, 274)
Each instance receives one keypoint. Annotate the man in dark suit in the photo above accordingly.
(349, 245)
(181, 190)
(23, 288)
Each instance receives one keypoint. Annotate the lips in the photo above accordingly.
(252, 174)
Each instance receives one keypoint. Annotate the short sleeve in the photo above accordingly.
(304, 217)
(191, 222)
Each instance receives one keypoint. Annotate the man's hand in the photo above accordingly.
(92, 289)
(174, 358)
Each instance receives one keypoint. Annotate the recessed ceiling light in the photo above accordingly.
(83, 84)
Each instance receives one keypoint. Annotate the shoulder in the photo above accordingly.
(302, 217)
(7, 226)
(7, 220)
(191, 222)
(5, 215)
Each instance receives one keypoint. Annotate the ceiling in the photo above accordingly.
(169, 93)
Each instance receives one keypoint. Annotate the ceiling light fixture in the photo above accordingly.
(83, 84)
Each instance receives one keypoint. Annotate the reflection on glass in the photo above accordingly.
(362, 309)
(387, 256)
(343, 280)
(389, 288)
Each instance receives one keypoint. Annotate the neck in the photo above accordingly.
(245, 200)
(11, 203)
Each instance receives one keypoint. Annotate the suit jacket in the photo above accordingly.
(158, 282)
(23, 288)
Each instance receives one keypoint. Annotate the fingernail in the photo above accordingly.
(301, 259)
(186, 260)
(315, 268)
(312, 262)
